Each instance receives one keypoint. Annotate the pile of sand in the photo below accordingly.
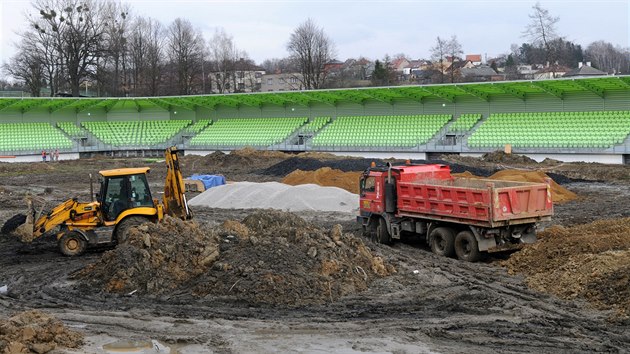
(326, 177)
(559, 194)
(248, 195)
(590, 261)
(35, 332)
(271, 257)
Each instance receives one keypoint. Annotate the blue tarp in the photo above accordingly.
(209, 181)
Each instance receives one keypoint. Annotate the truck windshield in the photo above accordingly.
(368, 184)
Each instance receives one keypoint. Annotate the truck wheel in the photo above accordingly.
(442, 240)
(72, 244)
(372, 230)
(122, 231)
(466, 247)
(382, 235)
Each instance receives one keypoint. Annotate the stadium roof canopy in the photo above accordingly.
(452, 92)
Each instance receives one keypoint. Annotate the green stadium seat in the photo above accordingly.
(601, 129)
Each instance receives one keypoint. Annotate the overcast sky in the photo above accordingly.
(370, 28)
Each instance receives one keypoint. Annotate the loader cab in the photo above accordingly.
(123, 189)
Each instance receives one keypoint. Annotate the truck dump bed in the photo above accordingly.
(481, 202)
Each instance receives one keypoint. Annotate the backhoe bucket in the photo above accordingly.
(25, 231)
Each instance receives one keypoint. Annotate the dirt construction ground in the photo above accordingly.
(259, 281)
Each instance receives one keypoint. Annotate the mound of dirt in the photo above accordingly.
(271, 257)
(157, 258)
(285, 260)
(237, 165)
(326, 177)
(289, 165)
(265, 154)
(35, 332)
(590, 261)
(501, 157)
(559, 194)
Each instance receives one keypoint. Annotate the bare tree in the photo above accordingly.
(75, 28)
(185, 50)
(438, 55)
(42, 46)
(27, 67)
(311, 49)
(454, 50)
(279, 65)
(146, 56)
(606, 57)
(541, 31)
(116, 45)
(223, 58)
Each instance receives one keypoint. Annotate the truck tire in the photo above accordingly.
(72, 244)
(442, 241)
(122, 231)
(382, 234)
(466, 247)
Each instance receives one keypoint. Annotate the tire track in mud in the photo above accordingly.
(479, 304)
(458, 306)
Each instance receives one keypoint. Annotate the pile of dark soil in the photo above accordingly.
(35, 332)
(271, 257)
(289, 165)
(592, 171)
(239, 165)
(156, 259)
(590, 261)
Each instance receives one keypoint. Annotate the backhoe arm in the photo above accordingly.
(66, 212)
(175, 203)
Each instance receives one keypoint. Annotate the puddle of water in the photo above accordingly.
(135, 347)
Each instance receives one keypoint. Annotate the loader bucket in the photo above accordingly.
(21, 225)
(25, 231)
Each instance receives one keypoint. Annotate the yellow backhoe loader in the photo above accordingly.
(124, 200)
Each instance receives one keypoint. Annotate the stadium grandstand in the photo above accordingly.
(578, 119)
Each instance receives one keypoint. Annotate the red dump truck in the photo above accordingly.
(456, 216)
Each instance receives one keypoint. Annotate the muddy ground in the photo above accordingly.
(430, 304)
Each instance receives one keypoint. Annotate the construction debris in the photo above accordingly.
(590, 261)
(271, 257)
(155, 259)
(35, 332)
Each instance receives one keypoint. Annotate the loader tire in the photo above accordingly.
(442, 241)
(466, 247)
(122, 231)
(72, 244)
(382, 234)
(12, 224)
